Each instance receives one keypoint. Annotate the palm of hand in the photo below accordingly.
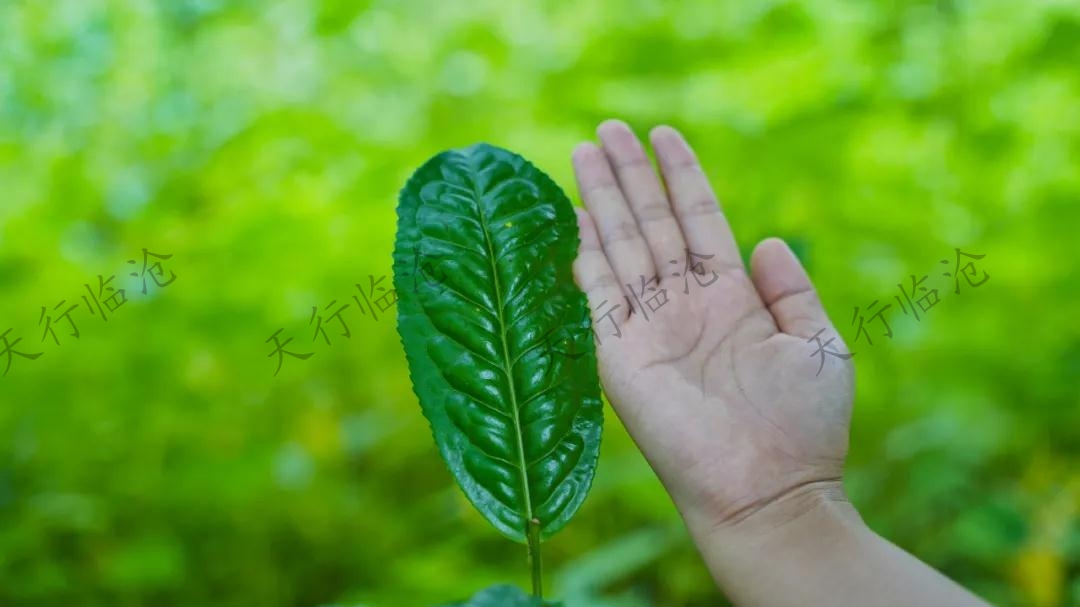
(718, 386)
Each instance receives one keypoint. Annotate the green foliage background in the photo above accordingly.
(157, 460)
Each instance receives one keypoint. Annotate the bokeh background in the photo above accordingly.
(157, 459)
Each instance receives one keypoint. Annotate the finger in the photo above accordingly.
(594, 276)
(638, 180)
(703, 224)
(786, 290)
(620, 238)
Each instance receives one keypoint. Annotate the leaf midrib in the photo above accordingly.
(507, 365)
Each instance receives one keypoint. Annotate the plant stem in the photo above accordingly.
(535, 564)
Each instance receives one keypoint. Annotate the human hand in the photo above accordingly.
(719, 387)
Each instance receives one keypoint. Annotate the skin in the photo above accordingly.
(720, 388)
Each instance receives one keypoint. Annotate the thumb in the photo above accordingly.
(786, 290)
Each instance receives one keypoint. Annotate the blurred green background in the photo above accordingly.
(157, 460)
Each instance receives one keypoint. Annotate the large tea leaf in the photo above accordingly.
(498, 336)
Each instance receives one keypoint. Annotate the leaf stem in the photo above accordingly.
(535, 564)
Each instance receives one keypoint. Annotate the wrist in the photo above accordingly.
(805, 513)
(809, 546)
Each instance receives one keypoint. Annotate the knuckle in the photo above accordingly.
(622, 231)
(599, 283)
(605, 188)
(654, 211)
(632, 163)
(702, 205)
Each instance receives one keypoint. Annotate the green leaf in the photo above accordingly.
(504, 595)
(497, 335)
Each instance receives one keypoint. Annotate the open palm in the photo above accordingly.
(714, 371)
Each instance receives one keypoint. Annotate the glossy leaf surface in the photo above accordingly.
(497, 335)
